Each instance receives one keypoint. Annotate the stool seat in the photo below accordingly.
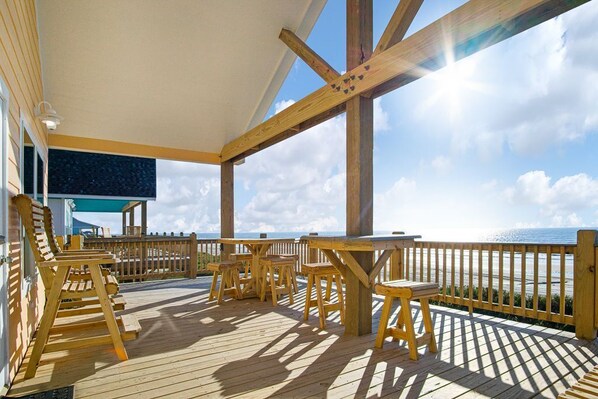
(276, 261)
(225, 264)
(407, 291)
(294, 256)
(241, 257)
(323, 268)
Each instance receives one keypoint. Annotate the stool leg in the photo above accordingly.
(289, 283)
(310, 282)
(383, 323)
(400, 322)
(321, 313)
(273, 285)
(340, 297)
(328, 287)
(409, 330)
(221, 287)
(264, 278)
(294, 280)
(213, 286)
(428, 324)
(237, 282)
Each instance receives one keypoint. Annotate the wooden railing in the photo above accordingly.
(531, 280)
(150, 257)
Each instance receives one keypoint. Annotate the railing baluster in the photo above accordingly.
(512, 279)
(536, 272)
(461, 275)
(470, 278)
(523, 278)
(452, 270)
(549, 283)
(562, 300)
(500, 277)
(444, 272)
(480, 276)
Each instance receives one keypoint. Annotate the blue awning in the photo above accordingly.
(99, 205)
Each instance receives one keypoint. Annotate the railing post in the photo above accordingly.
(584, 284)
(193, 256)
(396, 265)
(313, 252)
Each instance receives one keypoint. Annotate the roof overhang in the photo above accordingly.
(164, 79)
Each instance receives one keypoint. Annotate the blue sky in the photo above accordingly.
(505, 138)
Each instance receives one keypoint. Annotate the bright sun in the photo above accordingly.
(454, 82)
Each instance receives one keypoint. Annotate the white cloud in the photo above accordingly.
(561, 202)
(381, 119)
(297, 185)
(442, 164)
(490, 185)
(530, 93)
(393, 208)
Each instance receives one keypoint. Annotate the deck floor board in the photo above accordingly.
(190, 347)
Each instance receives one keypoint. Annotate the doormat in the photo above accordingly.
(58, 393)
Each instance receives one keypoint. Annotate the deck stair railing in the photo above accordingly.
(150, 257)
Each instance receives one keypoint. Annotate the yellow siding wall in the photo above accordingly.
(20, 69)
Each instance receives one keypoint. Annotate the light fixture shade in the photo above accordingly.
(47, 115)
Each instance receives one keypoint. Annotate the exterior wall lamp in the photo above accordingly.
(47, 115)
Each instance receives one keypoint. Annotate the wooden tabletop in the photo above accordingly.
(253, 241)
(361, 243)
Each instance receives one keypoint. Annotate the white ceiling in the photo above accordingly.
(188, 74)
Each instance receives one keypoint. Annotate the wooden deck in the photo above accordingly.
(191, 348)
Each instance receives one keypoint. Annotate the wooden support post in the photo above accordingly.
(193, 255)
(360, 146)
(313, 252)
(132, 217)
(124, 223)
(227, 205)
(143, 218)
(584, 284)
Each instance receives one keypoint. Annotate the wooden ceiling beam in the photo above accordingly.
(475, 25)
(399, 24)
(310, 57)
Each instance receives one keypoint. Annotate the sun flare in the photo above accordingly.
(454, 83)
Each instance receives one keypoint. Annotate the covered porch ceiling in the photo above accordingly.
(165, 79)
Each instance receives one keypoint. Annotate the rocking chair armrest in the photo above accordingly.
(85, 251)
(84, 256)
(77, 262)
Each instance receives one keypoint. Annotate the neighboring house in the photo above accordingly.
(90, 182)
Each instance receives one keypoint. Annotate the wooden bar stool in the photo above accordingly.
(270, 265)
(315, 273)
(407, 291)
(293, 272)
(230, 284)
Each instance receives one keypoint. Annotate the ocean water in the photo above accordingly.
(535, 236)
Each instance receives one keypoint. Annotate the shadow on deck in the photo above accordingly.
(190, 348)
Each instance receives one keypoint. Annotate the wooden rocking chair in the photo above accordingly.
(62, 285)
(118, 301)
